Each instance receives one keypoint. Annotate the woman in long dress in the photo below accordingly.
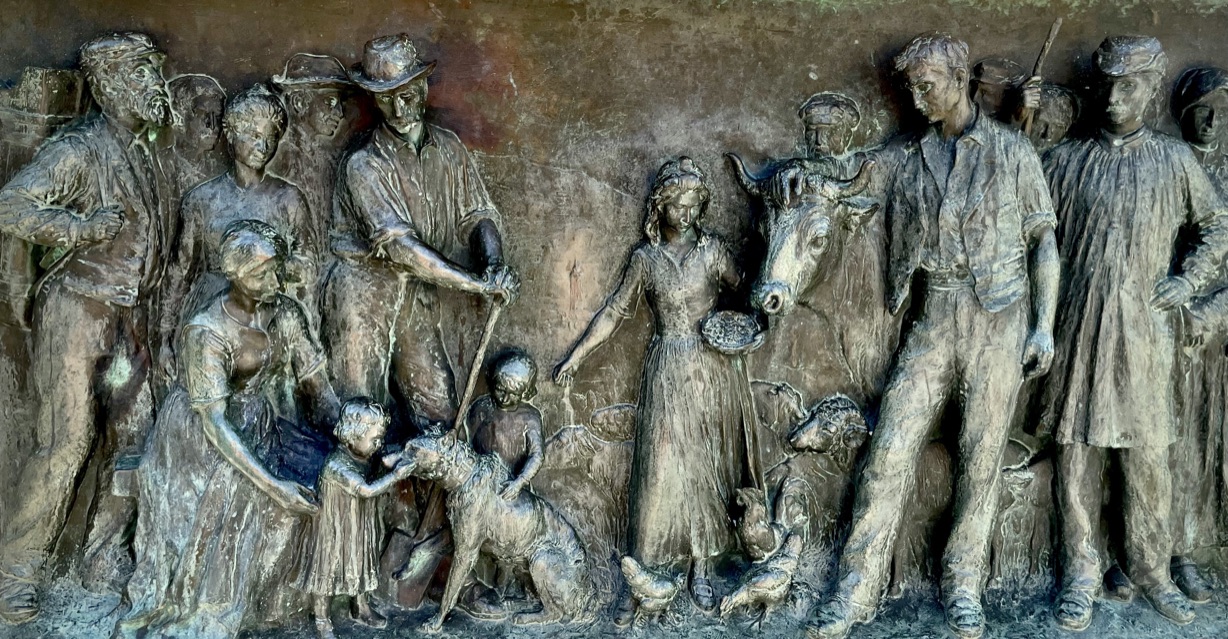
(695, 404)
(253, 123)
(216, 523)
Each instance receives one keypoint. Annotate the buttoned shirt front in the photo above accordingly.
(389, 188)
(993, 200)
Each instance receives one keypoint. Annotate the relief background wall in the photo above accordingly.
(570, 107)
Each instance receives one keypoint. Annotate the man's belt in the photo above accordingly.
(952, 279)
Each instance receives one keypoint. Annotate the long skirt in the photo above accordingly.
(690, 451)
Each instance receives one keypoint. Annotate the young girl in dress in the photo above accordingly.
(342, 553)
(694, 408)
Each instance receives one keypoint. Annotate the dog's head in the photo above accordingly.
(432, 454)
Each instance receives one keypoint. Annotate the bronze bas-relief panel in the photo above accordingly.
(463, 308)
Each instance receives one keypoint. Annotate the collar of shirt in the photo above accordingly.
(393, 140)
(1128, 141)
(977, 131)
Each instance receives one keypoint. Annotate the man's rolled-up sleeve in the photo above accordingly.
(375, 203)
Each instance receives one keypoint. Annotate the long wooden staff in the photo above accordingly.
(1039, 66)
(462, 413)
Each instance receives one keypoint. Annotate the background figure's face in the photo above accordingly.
(253, 141)
(262, 282)
(991, 98)
(372, 438)
(937, 91)
(202, 126)
(321, 110)
(1049, 126)
(827, 139)
(1203, 123)
(404, 107)
(681, 212)
(136, 88)
(1127, 98)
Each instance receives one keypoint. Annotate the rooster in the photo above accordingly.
(760, 536)
(653, 591)
(766, 583)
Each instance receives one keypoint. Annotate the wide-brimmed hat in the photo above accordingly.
(311, 71)
(389, 62)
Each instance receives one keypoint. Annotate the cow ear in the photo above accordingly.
(860, 209)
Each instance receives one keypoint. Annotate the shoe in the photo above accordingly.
(703, 594)
(1191, 582)
(18, 599)
(835, 619)
(965, 617)
(367, 616)
(1073, 609)
(1117, 586)
(324, 629)
(1170, 603)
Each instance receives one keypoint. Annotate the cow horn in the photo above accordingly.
(849, 188)
(748, 182)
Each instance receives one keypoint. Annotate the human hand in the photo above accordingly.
(1030, 93)
(1171, 292)
(296, 498)
(404, 468)
(787, 184)
(501, 283)
(1038, 354)
(511, 491)
(102, 225)
(565, 371)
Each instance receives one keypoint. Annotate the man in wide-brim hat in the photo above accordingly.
(313, 88)
(412, 216)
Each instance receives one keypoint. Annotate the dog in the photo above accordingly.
(525, 530)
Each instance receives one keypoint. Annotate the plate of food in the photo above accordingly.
(732, 332)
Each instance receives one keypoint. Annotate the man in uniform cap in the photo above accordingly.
(413, 217)
(1122, 196)
(313, 88)
(95, 194)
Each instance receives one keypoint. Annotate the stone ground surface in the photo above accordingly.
(73, 613)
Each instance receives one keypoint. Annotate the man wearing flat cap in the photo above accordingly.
(1122, 196)
(94, 194)
(314, 89)
(412, 217)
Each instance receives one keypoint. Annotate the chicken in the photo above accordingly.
(766, 583)
(759, 535)
(653, 591)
